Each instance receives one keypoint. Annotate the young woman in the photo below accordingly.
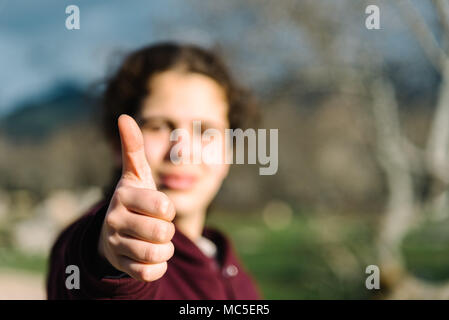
(147, 239)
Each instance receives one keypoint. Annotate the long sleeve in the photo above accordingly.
(77, 245)
(190, 273)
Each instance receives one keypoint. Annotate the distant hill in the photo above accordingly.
(64, 104)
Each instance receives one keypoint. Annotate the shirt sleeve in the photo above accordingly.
(77, 246)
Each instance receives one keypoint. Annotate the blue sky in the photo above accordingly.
(37, 51)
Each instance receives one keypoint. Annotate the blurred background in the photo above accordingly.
(363, 119)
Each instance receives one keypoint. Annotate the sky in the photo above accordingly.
(37, 51)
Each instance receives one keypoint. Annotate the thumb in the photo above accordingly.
(134, 163)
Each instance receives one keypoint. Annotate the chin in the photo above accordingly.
(185, 203)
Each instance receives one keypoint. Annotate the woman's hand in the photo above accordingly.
(137, 230)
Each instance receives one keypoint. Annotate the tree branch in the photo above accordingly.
(437, 152)
(423, 33)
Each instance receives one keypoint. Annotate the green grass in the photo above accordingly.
(14, 259)
(426, 251)
(314, 257)
(293, 263)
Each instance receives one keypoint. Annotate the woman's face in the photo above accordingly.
(177, 99)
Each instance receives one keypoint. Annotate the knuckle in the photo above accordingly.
(154, 272)
(113, 240)
(160, 232)
(149, 254)
(120, 193)
(169, 213)
(162, 203)
(171, 250)
(171, 230)
(111, 221)
(160, 254)
(143, 274)
(146, 274)
(164, 268)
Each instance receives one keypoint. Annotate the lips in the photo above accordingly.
(177, 181)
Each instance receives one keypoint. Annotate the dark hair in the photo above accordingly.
(128, 86)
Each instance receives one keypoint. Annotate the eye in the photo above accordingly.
(155, 125)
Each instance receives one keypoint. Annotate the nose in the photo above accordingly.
(183, 148)
(188, 145)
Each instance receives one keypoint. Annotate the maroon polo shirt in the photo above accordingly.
(190, 273)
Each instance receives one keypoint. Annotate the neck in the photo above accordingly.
(191, 225)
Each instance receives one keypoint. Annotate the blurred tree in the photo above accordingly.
(416, 176)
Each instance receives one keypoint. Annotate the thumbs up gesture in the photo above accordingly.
(137, 230)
